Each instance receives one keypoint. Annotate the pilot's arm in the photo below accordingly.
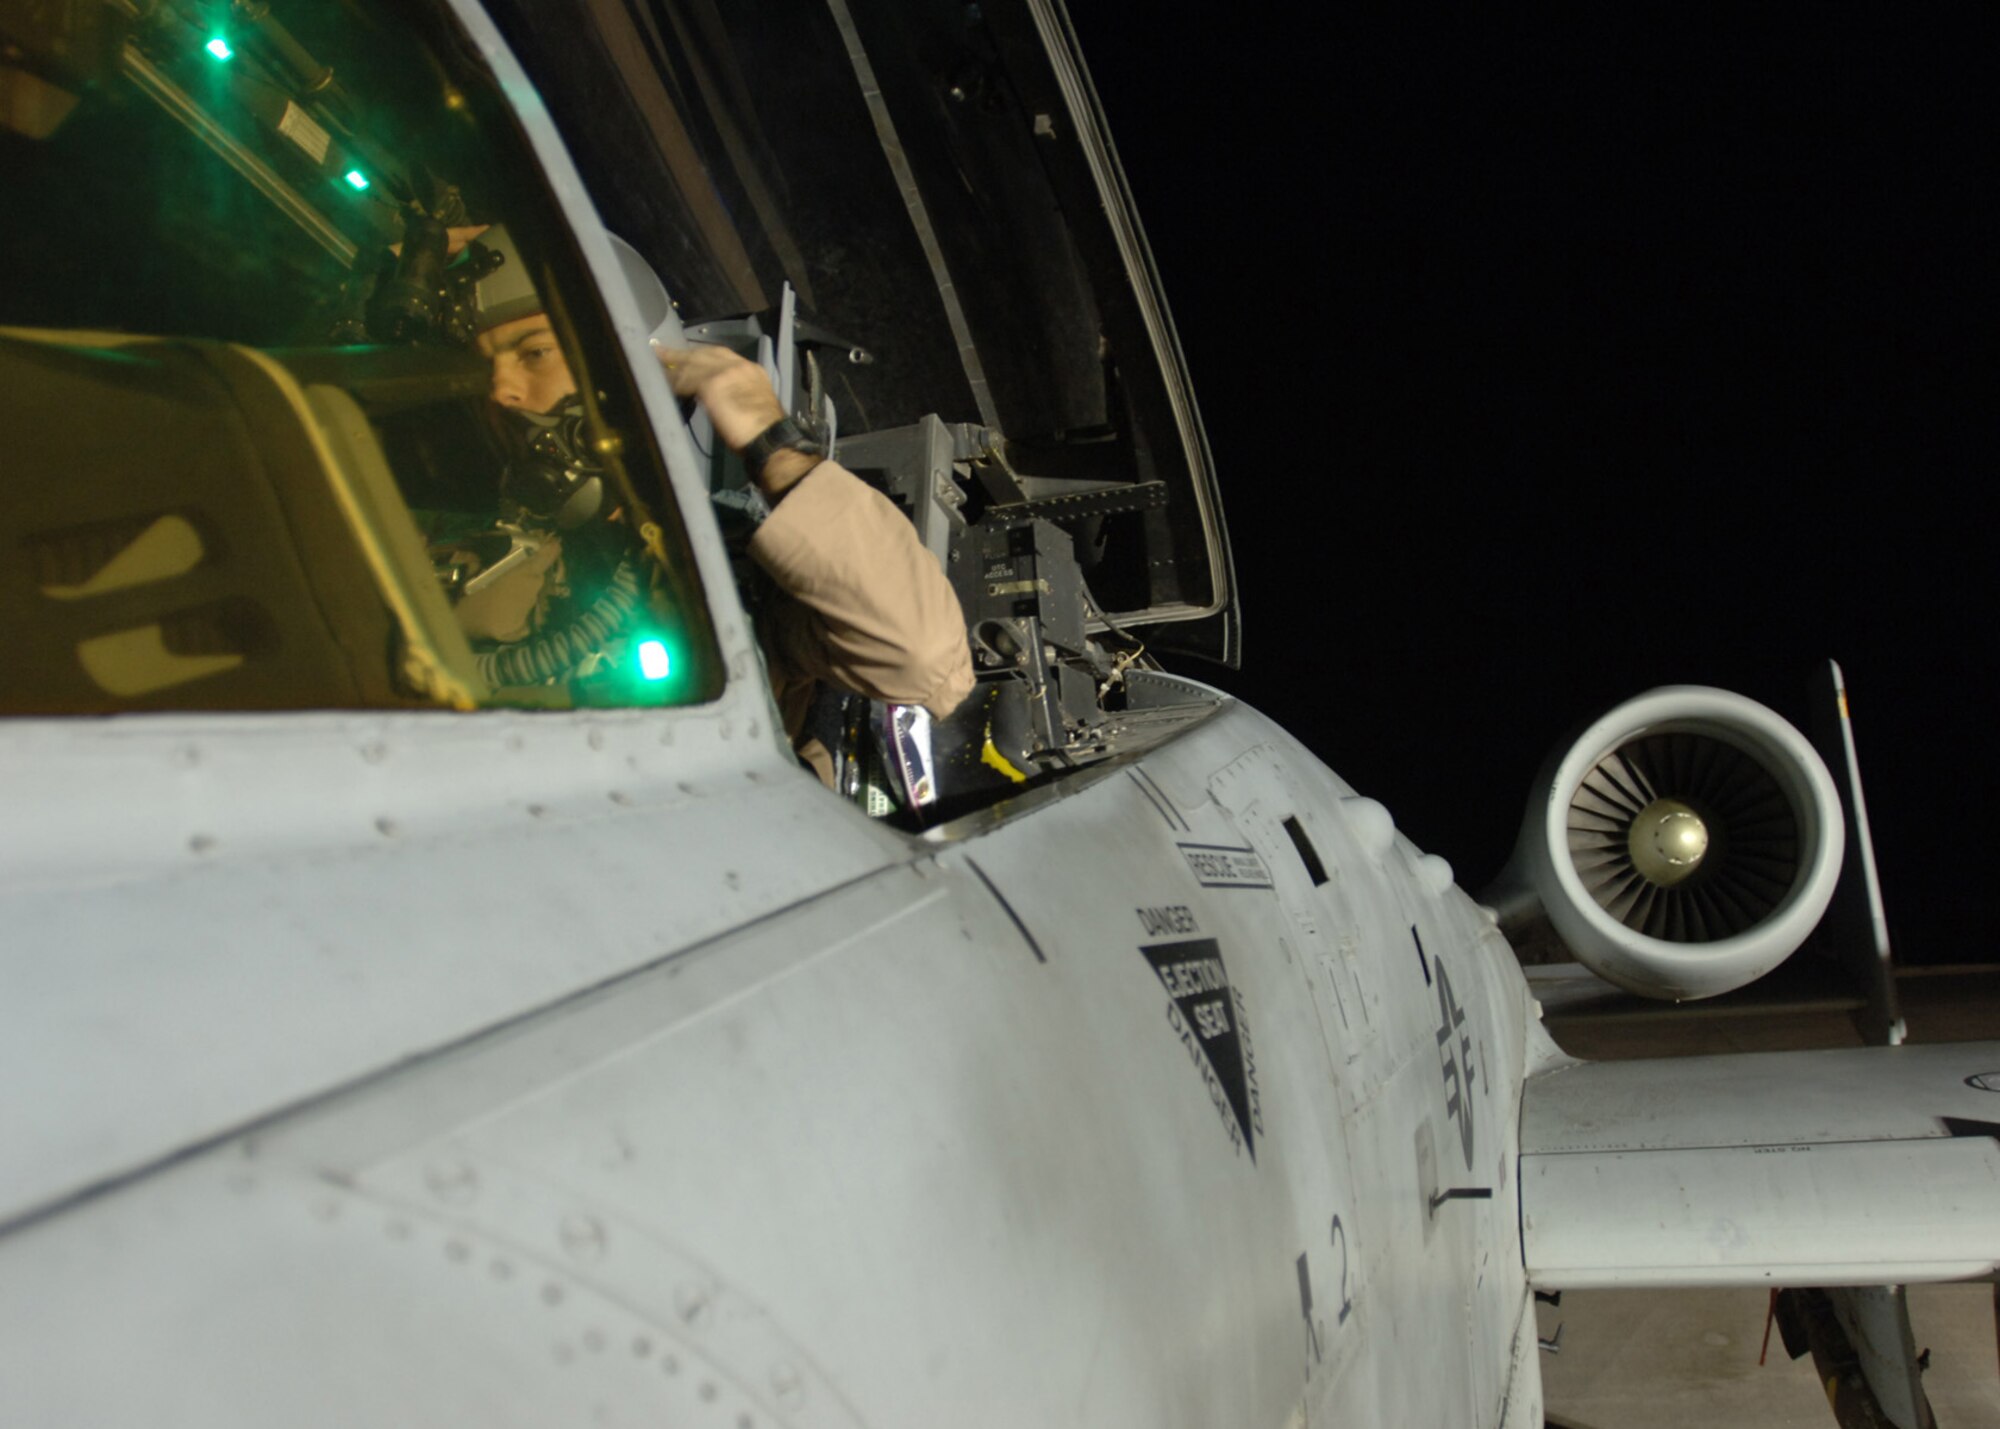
(870, 611)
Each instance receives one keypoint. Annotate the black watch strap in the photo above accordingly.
(783, 435)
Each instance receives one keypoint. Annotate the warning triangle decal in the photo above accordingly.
(1208, 1019)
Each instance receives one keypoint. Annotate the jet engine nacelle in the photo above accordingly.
(1684, 845)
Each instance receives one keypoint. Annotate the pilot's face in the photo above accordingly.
(530, 373)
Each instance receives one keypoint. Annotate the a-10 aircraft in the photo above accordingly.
(394, 1032)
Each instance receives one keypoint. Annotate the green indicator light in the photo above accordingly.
(653, 661)
(219, 47)
(357, 178)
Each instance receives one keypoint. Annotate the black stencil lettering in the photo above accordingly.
(1340, 1239)
(1193, 974)
(1455, 1061)
(1306, 1308)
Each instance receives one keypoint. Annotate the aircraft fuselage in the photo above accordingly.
(1139, 1103)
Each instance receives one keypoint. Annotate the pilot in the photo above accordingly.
(860, 606)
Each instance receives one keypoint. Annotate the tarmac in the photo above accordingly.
(1650, 1359)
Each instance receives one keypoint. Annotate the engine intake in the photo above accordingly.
(1685, 844)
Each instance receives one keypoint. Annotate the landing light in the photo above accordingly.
(219, 47)
(653, 661)
(357, 178)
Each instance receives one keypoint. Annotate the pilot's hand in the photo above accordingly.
(735, 391)
(506, 610)
(455, 239)
(737, 395)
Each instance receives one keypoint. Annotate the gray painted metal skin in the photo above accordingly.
(601, 1067)
(540, 1068)
(1831, 1168)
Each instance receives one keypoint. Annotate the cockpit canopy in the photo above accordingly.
(260, 262)
(934, 182)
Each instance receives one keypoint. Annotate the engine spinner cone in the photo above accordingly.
(1667, 842)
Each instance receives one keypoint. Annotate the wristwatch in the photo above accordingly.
(783, 435)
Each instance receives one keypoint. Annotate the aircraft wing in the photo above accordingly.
(1865, 1166)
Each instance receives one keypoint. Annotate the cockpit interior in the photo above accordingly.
(253, 258)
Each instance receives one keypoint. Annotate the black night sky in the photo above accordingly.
(1544, 365)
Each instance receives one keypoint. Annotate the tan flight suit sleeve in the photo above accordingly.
(868, 610)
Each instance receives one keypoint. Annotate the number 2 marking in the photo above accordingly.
(1340, 1239)
(1315, 1327)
